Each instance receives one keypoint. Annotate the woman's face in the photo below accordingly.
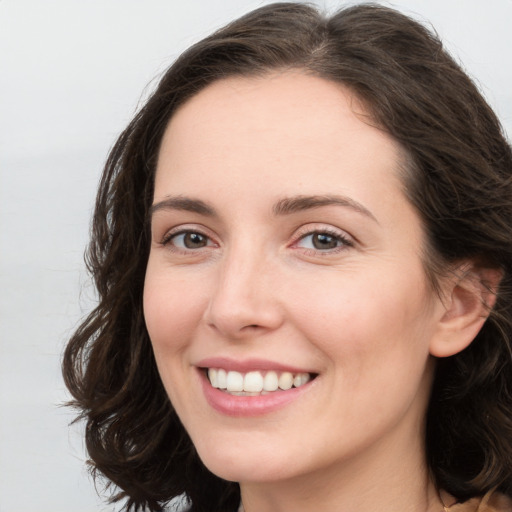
(282, 243)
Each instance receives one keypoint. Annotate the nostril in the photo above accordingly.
(250, 327)
(241, 318)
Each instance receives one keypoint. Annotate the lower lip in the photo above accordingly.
(246, 406)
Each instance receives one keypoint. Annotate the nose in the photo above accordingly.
(244, 300)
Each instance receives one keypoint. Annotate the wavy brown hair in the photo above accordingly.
(458, 176)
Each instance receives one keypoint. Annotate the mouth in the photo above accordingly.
(256, 382)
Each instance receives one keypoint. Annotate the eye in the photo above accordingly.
(324, 241)
(187, 240)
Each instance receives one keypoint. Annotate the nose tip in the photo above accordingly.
(241, 316)
(243, 304)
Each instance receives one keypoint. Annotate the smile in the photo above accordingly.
(255, 383)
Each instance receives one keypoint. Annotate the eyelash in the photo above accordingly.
(343, 240)
(169, 237)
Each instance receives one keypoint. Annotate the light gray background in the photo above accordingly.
(71, 75)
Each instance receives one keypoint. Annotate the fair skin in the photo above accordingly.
(282, 242)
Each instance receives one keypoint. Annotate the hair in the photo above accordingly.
(458, 176)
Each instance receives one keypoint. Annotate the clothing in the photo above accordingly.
(491, 502)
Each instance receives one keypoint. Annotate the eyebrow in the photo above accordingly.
(295, 204)
(183, 203)
(285, 206)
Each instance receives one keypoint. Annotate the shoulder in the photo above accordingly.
(491, 502)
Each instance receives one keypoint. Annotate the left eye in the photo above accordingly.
(322, 241)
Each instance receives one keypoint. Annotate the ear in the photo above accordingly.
(468, 294)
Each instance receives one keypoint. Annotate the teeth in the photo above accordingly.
(235, 381)
(301, 379)
(271, 381)
(213, 376)
(255, 382)
(222, 378)
(286, 380)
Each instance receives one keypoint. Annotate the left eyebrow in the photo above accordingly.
(289, 205)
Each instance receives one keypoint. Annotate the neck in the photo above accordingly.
(371, 481)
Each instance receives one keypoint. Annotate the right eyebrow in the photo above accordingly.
(185, 204)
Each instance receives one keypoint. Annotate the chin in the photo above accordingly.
(247, 471)
(256, 462)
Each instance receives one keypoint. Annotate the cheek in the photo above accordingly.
(366, 320)
(172, 309)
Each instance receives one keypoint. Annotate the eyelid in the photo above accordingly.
(318, 228)
(186, 228)
(302, 232)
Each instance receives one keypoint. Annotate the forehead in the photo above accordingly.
(253, 104)
(289, 129)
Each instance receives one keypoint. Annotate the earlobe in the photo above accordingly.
(469, 296)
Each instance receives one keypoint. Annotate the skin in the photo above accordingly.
(359, 312)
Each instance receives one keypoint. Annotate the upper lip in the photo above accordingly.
(247, 365)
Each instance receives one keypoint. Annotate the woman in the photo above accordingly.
(303, 251)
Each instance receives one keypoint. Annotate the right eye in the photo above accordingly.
(188, 240)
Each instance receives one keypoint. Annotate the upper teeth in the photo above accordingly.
(255, 381)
